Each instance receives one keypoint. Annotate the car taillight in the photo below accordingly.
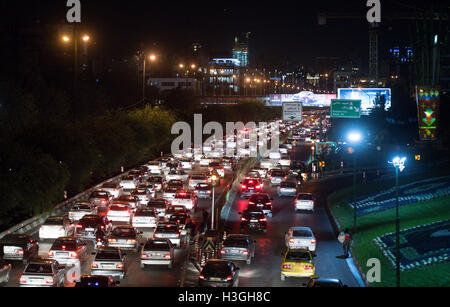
(229, 278)
(308, 267)
(23, 280)
(49, 281)
(144, 256)
(167, 257)
(111, 240)
(244, 253)
(61, 229)
(287, 266)
(119, 266)
(79, 226)
(19, 251)
(51, 254)
(94, 266)
(73, 255)
(243, 219)
(131, 241)
(243, 186)
(258, 187)
(201, 276)
(222, 251)
(263, 220)
(285, 178)
(313, 241)
(291, 241)
(156, 234)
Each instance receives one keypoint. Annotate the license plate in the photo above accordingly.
(9, 249)
(89, 229)
(61, 254)
(253, 221)
(156, 254)
(215, 279)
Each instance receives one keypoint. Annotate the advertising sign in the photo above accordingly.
(370, 97)
(308, 99)
(345, 108)
(427, 111)
(292, 111)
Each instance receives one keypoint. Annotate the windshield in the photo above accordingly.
(235, 241)
(124, 232)
(54, 221)
(157, 204)
(219, 269)
(301, 233)
(89, 222)
(107, 255)
(296, 256)
(167, 229)
(305, 197)
(145, 212)
(64, 245)
(157, 245)
(39, 268)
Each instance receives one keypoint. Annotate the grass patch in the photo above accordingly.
(377, 224)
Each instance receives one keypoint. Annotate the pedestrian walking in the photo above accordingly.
(205, 215)
(346, 239)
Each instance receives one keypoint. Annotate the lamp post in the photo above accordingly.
(399, 164)
(66, 39)
(152, 58)
(354, 138)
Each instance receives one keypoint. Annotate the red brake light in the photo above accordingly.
(94, 266)
(244, 253)
(313, 241)
(263, 220)
(79, 226)
(222, 251)
(291, 241)
(51, 254)
(287, 266)
(258, 187)
(144, 256)
(23, 280)
(167, 257)
(243, 186)
(73, 255)
(243, 219)
(201, 276)
(19, 251)
(308, 267)
(119, 266)
(229, 278)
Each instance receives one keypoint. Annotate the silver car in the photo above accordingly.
(109, 261)
(288, 189)
(157, 252)
(238, 247)
(42, 273)
(125, 237)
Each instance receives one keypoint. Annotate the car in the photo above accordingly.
(276, 176)
(177, 175)
(185, 198)
(159, 204)
(204, 161)
(68, 250)
(157, 252)
(252, 174)
(109, 261)
(300, 238)
(228, 164)
(145, 217)
(197, 178)
(145, 172)
(203, 190)
(137, 174)
(99, 281)
(168, 230)
(101, 198)
(154, 167)
(238, 247)
(267, 164)
(125, 237)
(143, 194)
(219, 273)
(287, 189)
(132, 201)
(253, 219)
(262, 172)
(325, 283)
(158, 182)
(250, 186)
(80, 209)
(5, 270)
(187, 164)
(15, 246)
(218, 167)
(55, 227)
(41, 272)
(297, 263)
(275, 155)
(172, 209)
(304, 201)
(170, 166)
(120, 212)
(128, 182)
(87, 227)
(181, 219)
(261, 201)
(284, 150)
(170, 192)
(285, 161)
(114, 188)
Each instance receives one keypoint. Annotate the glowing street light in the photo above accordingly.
(86, 38)
(354, 137)
(65, 38)
(399, 164)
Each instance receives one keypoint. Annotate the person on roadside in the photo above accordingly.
(347, 242)
(205, 215)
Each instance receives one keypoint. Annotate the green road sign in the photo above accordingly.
(345, 108)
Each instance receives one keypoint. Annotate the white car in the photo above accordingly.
(288, 189)
(154, 168)
(276, 176)
(145, 218)
(186, 199)
(114, 188)
(168, 230)
(55, 227)
(144, 194)
(68, 250)
(177, 175)
(80, 209)
(304, 201)
(128, 182)
(157, 182)
(300, 238)
(204, 161)
(275, 156)
(195, 179)
(187, 164)
(119, 213)
(285, 161)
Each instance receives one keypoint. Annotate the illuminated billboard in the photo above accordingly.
(428, 111)
(308, 99)
(368, 97)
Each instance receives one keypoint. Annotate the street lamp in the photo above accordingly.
(399, 164)
(354, 137)
(152, 58)
(66, 39)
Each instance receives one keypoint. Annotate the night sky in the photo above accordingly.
(281, 30)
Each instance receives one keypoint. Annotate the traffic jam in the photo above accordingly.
(147, 220)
